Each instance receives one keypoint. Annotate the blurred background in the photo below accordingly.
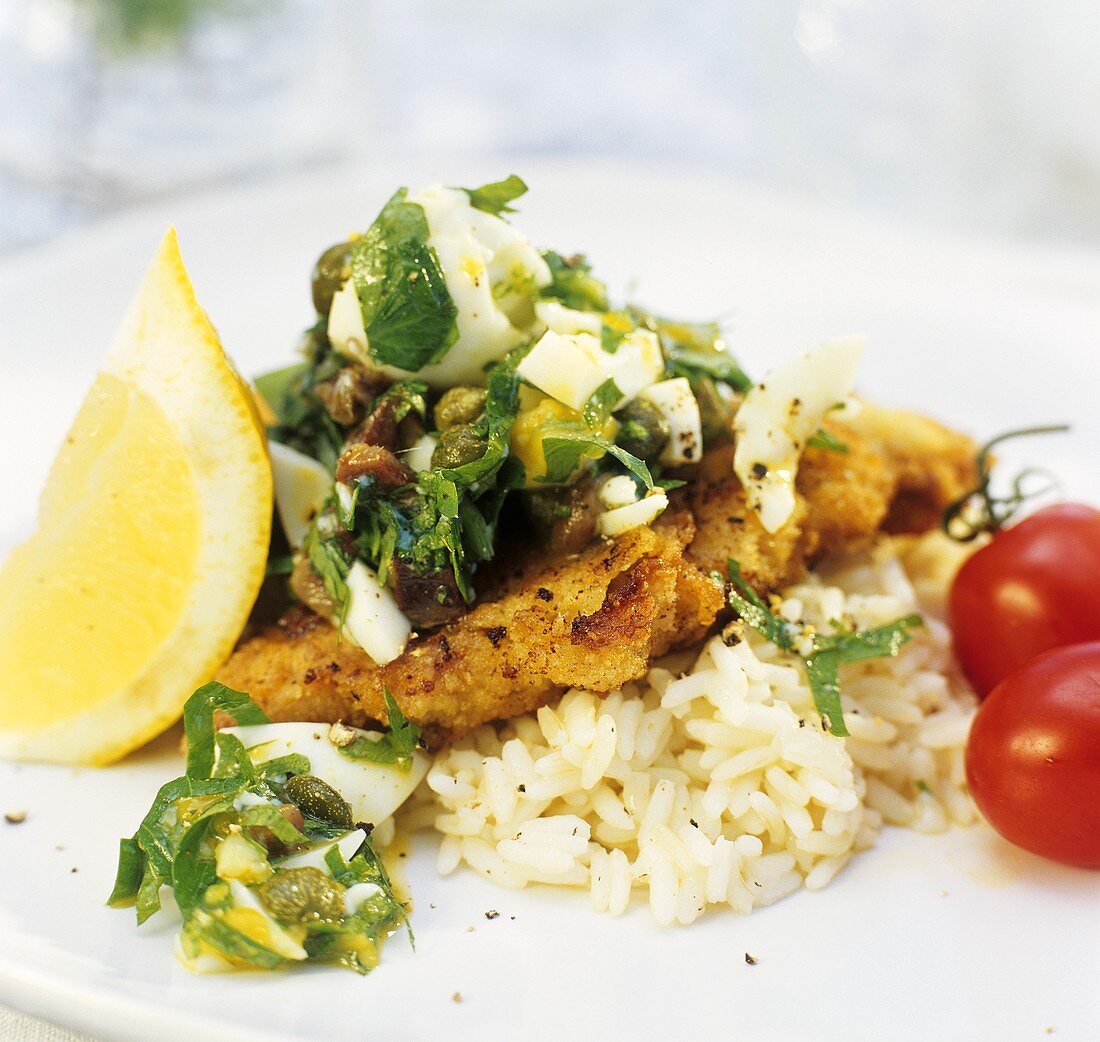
(978, 115)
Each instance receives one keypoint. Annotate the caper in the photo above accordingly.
(458, 445)
(459, 405)
(329, 274)
(643, 431)
(303, 895)
(319, 800)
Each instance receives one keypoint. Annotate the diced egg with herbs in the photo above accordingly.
(674, 400)
(622, 519)
(492, 272)
(373, 790)
(556, 317)
(301, 487)
(570, 367)
(779, 415)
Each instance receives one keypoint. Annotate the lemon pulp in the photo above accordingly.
(120, 512)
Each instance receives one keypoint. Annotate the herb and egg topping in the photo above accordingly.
(264, 842)
(457, 376)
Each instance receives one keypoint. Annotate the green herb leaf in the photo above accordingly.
(602, 403)
(193, 868)
(332, 564)
(408, 312)
(822, 654)
(279, 385)
(494, 197)
(198, 723)
(573, 283)
(614, 328)
(406, 398)
(131, 868)
(566, 443)
(718, 366)
(396, 746)
(824, 439)
(303, 421)
(230, 942)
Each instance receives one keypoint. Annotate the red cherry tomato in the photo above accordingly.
(1033, 757)
(1035, 586)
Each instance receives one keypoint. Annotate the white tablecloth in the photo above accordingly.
(14, 1027)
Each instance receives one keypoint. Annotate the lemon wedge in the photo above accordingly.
(151, 543)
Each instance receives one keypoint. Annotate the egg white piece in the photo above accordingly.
(780, 414)
(622, 519)
(373, 790)
(373, 619)
(619, 491)
(345, 325)
(419, 457)
(637, 363)
(302, 485)
(674, 400)
(348, 844)
(569, 367)
(279, 940)
(556, 317)
(566, 366)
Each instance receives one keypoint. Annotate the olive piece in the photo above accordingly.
(319, 800)
(329, 274)
(303, 895)
(459, 405)
(458, 445)
(644, 432)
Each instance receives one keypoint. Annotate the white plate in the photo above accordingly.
(950, 937)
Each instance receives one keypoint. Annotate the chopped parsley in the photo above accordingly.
(823, 439)
(822, 654)
(408, 312)
(496, 197)
(396, 746)
(232, 816)
(567, 443)
(573, 283)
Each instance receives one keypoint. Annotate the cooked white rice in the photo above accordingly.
(719, 785)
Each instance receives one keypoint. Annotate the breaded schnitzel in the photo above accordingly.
(596, 619)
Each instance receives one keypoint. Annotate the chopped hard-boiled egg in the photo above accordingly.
(345, 325)
(636, 363)
(373, 790)
(618, 491)
(560, 319)
(492, 273)
(633, 515)
(373, 620)
(419, 457)
(238, 857)
(348, 844)
(526, 436)
(779, 415)
(253, 920)
(569, 367)
(674, 400)
(301, 487)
